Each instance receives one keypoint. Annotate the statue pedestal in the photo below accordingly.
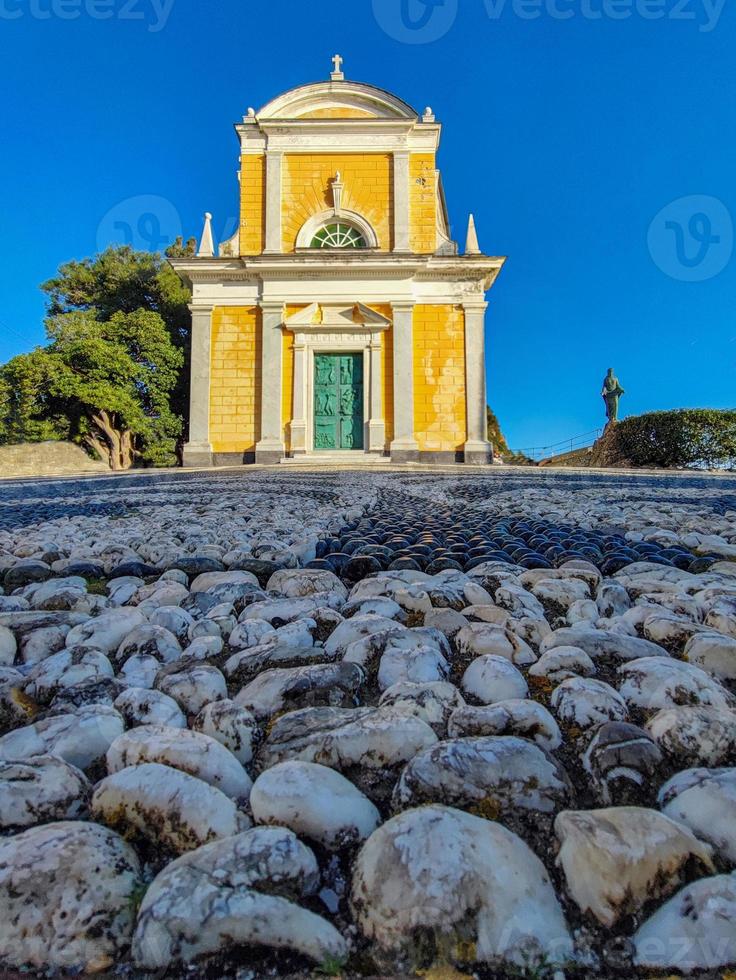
(605, 453)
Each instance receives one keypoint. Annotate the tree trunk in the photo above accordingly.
(127, 453)
(98, 447)
(120, 443)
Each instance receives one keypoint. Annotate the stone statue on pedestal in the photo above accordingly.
(612, 392)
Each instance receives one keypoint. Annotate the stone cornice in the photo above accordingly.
(284, 126)
(349, 260)
(311, 266)
(338, 135)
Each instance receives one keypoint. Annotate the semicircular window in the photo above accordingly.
(338, 234)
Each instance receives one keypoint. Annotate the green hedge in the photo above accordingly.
(699, 437)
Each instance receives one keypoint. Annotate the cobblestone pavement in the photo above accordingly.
(23, 502)
(262, 722)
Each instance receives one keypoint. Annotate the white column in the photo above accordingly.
(274, 162)
(270, 448)
(198, 450)
(477, 448)
(404, 447)
(401, 201)
(298, 428)
(376, 422)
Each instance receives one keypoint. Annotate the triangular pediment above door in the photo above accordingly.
(337, 316)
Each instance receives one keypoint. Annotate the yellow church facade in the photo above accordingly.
(340, 320)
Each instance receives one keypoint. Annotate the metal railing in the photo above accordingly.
(566, 446)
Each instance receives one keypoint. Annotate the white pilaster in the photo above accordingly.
(404, 446)
(274, 167)
(198, 450)
(477, 448)
(298, 429)
(376, 422)
(401, 201)
(270, 448)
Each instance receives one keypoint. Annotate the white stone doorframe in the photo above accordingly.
(311, 340)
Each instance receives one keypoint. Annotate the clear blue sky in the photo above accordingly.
(566, 137)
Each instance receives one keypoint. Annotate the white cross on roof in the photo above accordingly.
(337, 73)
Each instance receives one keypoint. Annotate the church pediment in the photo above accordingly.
(335, 100)
(336, 317)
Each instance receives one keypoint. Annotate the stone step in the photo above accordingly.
(336, 459)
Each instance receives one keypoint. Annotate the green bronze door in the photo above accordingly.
(338, 401)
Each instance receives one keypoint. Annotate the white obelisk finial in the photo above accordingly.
(206, 244)
(471, 245)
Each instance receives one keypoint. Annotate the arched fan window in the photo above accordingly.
(338, 234)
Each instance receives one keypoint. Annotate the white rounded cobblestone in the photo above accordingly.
(210, 632)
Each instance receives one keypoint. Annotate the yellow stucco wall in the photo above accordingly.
(307, 190)
(422, 202)
(368, 182)
(235, 379)
(439, 378)
(252, 203)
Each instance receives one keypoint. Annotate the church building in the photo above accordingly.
(340, 319)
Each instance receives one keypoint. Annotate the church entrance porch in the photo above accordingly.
(338, 402)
